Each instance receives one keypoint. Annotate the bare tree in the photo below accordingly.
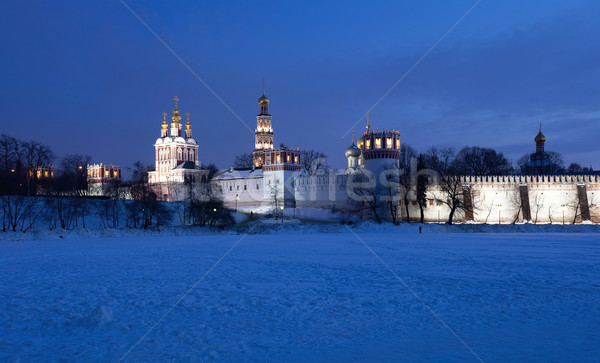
(407, 176)
(391, 180)
(361, 188)
(481, 161)
(517, 202)
(36, 156)
(74, 172)
(245, 160)
(538, 204)
(313, 161)
(19, 212)
(485, 207)
(423, 180)
(455, 196)
(207, 207)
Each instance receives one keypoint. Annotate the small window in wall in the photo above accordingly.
(256, 186)
(430, 201)
(245, 187)
(230, 188)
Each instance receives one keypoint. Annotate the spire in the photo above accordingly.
(368, 121)
(164, 126)
(188, 126)
(263, 101)
(540, 139)
(352, 137)
(176, 117)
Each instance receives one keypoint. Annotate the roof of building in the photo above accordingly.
(352, 150)
(187, 165)
(240, 173)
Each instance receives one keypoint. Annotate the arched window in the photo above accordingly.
(179, 153)
(186, 154)
(192, 155)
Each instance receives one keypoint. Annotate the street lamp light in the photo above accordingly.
(237, 197)
(281, 214)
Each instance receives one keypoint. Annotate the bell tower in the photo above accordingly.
(263, 136)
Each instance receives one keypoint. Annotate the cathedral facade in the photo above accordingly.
(175, 156)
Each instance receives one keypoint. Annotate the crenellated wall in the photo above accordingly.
(493, 199)
(321, 191)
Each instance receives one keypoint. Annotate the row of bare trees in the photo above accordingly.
(409, 181)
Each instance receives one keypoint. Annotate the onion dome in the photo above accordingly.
(164, 123)
(352, 151)
(188, 125)
(176, 117)
(540, 137)
(263, 100)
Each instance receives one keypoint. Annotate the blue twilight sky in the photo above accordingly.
(88, 77)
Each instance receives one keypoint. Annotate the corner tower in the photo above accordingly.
(263, 136)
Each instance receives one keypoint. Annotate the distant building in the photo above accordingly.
(101, 178)
(540, 162)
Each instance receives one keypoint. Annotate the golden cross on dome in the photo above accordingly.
(368, 121)
(164, 117)
(188, 117)
(176, 99)
(353, 136)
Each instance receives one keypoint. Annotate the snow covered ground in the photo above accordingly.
(294, 296)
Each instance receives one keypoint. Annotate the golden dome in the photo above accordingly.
(164, 123)
(263, 100)
(540, 137)
(176, 117)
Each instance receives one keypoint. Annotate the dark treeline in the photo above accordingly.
(34, 192)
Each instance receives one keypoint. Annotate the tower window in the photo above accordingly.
(368, 144)
(377, 143)
(388, 143)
